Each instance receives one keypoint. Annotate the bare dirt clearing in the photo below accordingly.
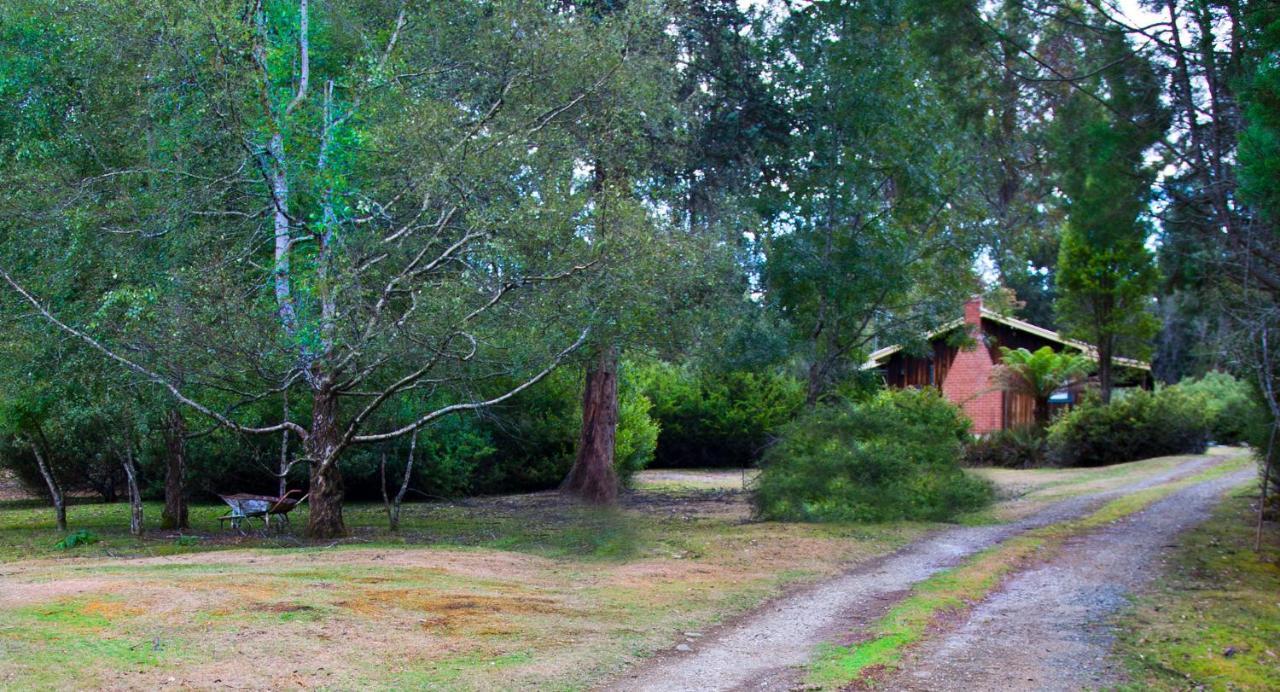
(520, 591)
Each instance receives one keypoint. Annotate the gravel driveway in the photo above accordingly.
(1046, 629)
(765, 648)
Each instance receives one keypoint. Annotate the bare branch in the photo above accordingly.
(304, 57)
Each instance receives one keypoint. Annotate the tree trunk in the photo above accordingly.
(592, 477)
(817, 383)
(393, 504)
(175, 501)
(321, 445)
(1104, 369)
(135, 494)
(1041, 412)
(1268, 460)
(285, 464)
(55, 490)
(283, 472)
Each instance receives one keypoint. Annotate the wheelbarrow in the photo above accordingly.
(245, 506)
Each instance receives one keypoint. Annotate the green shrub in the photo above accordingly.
(75, 538)
(1137, 426)
(637, 436)
(1017, 448)
(895, 456)
(1231, 405)
(712, 418)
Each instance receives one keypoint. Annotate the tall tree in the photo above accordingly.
(993, 57)
(400, 179)
(1106, 275)
(867, 240)
(697, 115)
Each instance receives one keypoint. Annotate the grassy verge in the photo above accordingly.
(949, 592)
(1213, 621)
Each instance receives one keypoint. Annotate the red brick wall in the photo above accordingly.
(969, 384)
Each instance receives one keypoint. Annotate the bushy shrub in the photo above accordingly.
(894, 456)
(1231, 405)
(637, 436)
(1136, 426)
(714, 418)
(1016, 448)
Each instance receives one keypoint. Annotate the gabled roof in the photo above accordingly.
(878, 357)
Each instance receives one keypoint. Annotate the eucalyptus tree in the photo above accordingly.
(1004, 97)
(357, 201)
(868, 241)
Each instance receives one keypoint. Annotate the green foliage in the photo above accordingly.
(75, 538)
(1042, 372)
(1015, 448)
(636, 439)
(866, 241)
(896, 456)
(1260, 141)
(1232, 406)
(714, 418)
(1136, 426)
(1039, 374)
(1106, 275)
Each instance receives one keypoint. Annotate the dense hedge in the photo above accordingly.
(894, 456)
(535, 435)
(1231, 405)
(1138, 425)
(712, 418)
(526, 444)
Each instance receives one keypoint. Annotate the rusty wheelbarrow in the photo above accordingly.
(245, 506)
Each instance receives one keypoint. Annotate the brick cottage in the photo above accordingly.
(962, 368)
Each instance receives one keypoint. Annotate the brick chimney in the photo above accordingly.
(968, 380)
(973, 311)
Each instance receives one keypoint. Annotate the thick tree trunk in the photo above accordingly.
(135, 494)
(1104, 370)
(817, 383)
(325, 495)
(592, 477)
(175, 500)
(55, 490)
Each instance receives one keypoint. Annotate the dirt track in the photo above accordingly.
(765, 649)
(1046, 628)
